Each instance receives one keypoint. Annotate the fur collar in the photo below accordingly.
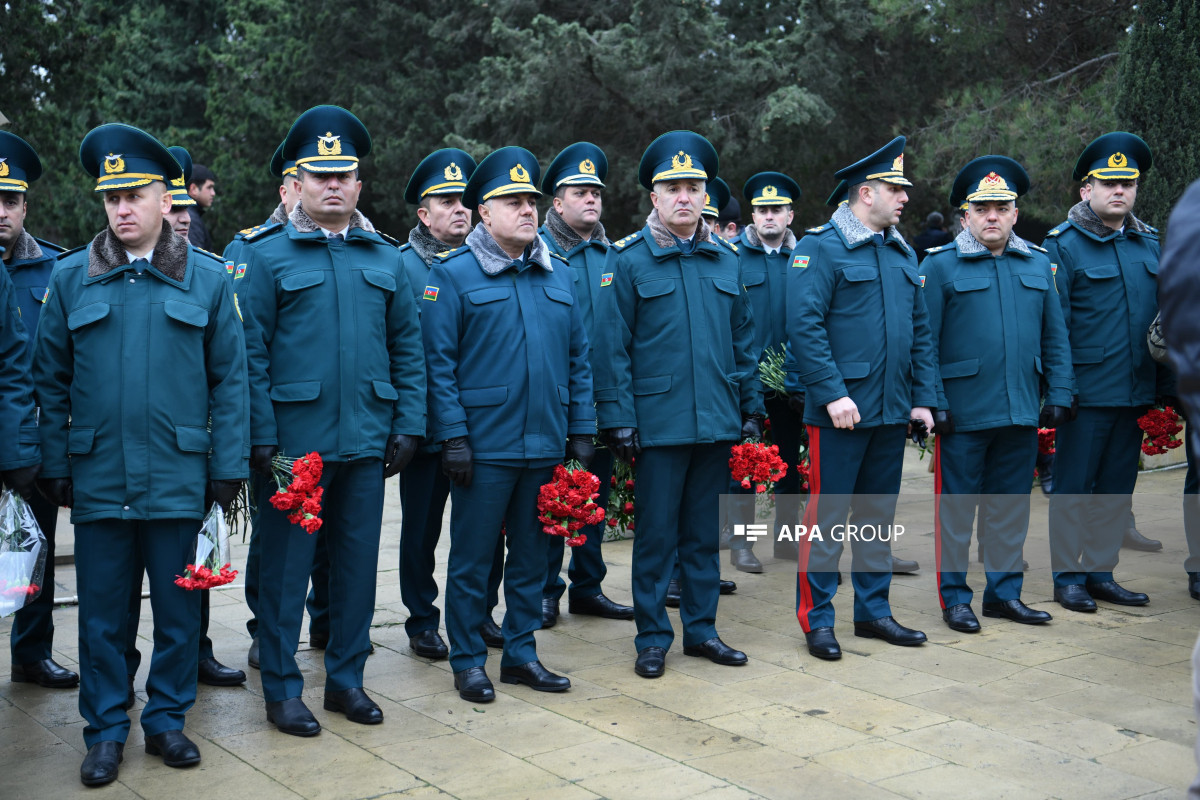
(664, 238)
(1082, 216)
(492, 258)
(857, 233)
(425, 243)
(750, 237)
(302, 222)
(566, 237)
(968, 245)
(26, 248)
(279, 215)
(107, 253)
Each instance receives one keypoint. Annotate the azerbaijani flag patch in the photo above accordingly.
(431, 292)
(800, 262)
(606, 279)
(241, 272)
(229, 267)
(922, 279)
(1053, 270)
(46, 296)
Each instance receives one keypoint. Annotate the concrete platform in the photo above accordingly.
(1091, 705)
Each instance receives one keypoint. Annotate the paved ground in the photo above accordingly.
(1095, 706)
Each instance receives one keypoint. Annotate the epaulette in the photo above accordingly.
(560, 258)
(406, 246)
(210, 254)
(937, 249)
(1056, 231)
(453, 252)
(72, 251)
(1036, 247)
(259, 231)
(49, 247)
(621, 244)
(1151, 228)
(817, 229)
(389, 239)
(727, 243)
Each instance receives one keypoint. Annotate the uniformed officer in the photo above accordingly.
(510, 387)
(1106, 261)
(130, 454)
(334, 356)
(999, 336)
(676, 381)
(179, 217)
(29, 262)
(573, 230)
(443, 222)
(859, 331)
(716, 197)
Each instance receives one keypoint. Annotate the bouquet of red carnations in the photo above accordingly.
(22, 554)
(756, 464)
(620, 496)
(1161, 426)
(209, 566)
(1046, 438)
(297, 490)
(567, 503)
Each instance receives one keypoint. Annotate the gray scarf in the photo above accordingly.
(425, 243)
(107, 253)
(968, 245)
(302, 222)
(752, 238)
(492, 258)
(1081, 215)
(279, 215)
(26, 248)
(663, 236)
(855, 232)
(566, 237)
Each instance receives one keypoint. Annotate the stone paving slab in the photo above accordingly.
(1091, 705)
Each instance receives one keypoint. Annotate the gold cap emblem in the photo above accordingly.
(587, 167)
(993, 182)
(707, 199)
(329, 145)
(3, 167)
(898, 163)
(114, 164)
(1118, 161)
(177, 182)
(519, 174)
(453, 172)
(770, 191)
(681, 161)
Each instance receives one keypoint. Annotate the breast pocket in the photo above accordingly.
(299, 291)
(658, 288)
(856, 276)
(87, 317)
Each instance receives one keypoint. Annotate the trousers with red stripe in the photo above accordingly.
(989, 471)
(854, 476)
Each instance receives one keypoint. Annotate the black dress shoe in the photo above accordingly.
(252, 656)
(728, 587)
(45, 673)
(130, 697)
(673, 594)
(355, 704)
(902, 566)
(1134, 540)
(293, 717)
(959, 617)
(1194, 585)
(536, 677)
(318, 640)
(176, 749)
(100, 764)
(473, 685)
(890, 631)
(549, 612)
(651, 662)
(717, 652)
(1016, 611)
(1113, 592)
(1074, 597)
(491, 633)
(823, 644)
(429, 644)
(599, 606)
(214, 673)
(743, 559)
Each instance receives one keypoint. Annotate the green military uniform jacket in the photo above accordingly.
(765, 278)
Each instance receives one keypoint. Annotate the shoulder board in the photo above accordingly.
(259, 231)
(453, 252)
(211, 255)
(727, 243)
(817, 229)
(621, 244)
(937, 249)
(406, 246)
(50, 248)
(1033, 246)
(1058, 229)
(1150, 228)
(72, 251)
(392, 240)
(560, 258)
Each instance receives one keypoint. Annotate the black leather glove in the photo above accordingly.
(1053, 416)
(1074, 408)
(623, 442)
(223, 493)
(752, 427)
(917, 432)
(260, 458)
(59, 491)
(943, 422)
(581, 448)
(796, 403)
(399, 451)
(20, 480)
(457, 462)
(1168, 400)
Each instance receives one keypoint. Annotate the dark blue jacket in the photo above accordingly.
(765, 277)
(18, 415)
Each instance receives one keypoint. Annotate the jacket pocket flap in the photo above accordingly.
(1087, 355)
(753, 278)
(385, 391)
(564, 395)
(485, 396)
(381, 279)
(960, 369)
(971, 284)
(296, 392)
(654, 384)
(86, 315)
(1151, 267)
(193, 439)
(655, 288)
(1035, 282)
(186, 313)
(853, 370)
(861, 272)
(728, 287)
(38, 292)
(1102, 271)
(79, 440)
(558, 295)
(488, 295)
(303, 280)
